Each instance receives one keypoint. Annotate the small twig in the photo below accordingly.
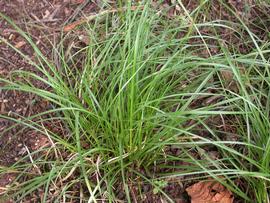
(81, 21)
(32, 161)
(51, 141)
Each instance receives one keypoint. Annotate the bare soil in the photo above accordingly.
(42, 20)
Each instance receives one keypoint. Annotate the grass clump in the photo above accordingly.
(140, 90)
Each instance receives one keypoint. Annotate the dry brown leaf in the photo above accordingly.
(209, 192)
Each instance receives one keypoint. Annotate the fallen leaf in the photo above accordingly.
(209, 192)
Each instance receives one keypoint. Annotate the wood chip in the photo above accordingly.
(20, 44)
(47, 14)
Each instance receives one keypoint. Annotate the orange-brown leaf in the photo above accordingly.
(209, 192)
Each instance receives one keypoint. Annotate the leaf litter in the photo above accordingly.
(209, 192)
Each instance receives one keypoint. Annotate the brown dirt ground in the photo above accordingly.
(42, 20)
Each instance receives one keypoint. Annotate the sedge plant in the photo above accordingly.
(136, 90)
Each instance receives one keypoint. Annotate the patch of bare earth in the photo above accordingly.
(41, 20)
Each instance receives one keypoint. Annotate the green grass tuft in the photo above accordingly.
(140, 90)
